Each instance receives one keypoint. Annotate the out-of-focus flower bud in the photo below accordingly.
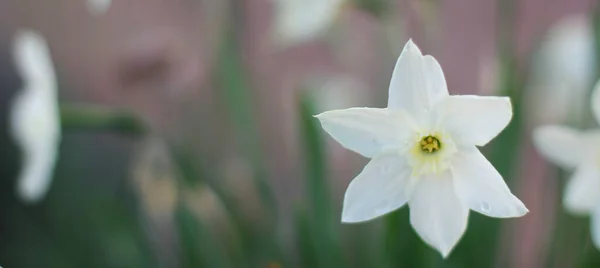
(338, 92)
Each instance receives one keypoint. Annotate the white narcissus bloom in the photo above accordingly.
(423, 150)
(35, 122)
(563, 72)
(579, 151)
(298, 21)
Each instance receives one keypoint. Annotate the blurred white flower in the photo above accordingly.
(35, 122)
(563, 71)
(579, 151)
(340, 91)
(298, 21)
(98, 7)
(423, 150)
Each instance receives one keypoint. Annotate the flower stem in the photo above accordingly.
(87, 117)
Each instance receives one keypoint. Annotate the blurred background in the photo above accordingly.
(211, 156)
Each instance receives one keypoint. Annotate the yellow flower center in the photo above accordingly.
(430, 144)
(431, 153)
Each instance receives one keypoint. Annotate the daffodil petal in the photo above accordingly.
(36, 175)
(561, 145)
(35, 118)
(436, 81)
(475, 120)
(582, 193)
(437, 213)
(367, 131)
(32, 59)
(380, 188)
(482, 188)
(417, 82)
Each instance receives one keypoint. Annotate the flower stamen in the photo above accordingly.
(430, 144)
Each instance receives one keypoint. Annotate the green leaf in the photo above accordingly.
(88, 117)
(236, 96)
(199, 248)
(326, 241)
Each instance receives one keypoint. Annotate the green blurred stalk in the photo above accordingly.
(377, 8)
(236, 94)
(192, 177)
(402, 246)
(304, 239)
(234, 89)
(325, 240)
(315, 162)
(199, 248)
(96, 118)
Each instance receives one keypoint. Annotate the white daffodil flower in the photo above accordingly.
(563, 72)
(579, 151)
(98, 7)
(35, 122)
(298, 21)
(423, 150)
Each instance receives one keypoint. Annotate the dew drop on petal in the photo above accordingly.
(485, 207)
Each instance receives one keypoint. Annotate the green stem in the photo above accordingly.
(237, 98)
(326, 240)
(86, 117)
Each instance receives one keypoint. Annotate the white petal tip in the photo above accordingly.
(355, 218)
(33, 185)
(445, 251)
(29, 196)
(347, 221)
(519, 209)
(519, 212)
(410, 46)
(523, 211)
(322, 114)
(30, 193)
(350, 219)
